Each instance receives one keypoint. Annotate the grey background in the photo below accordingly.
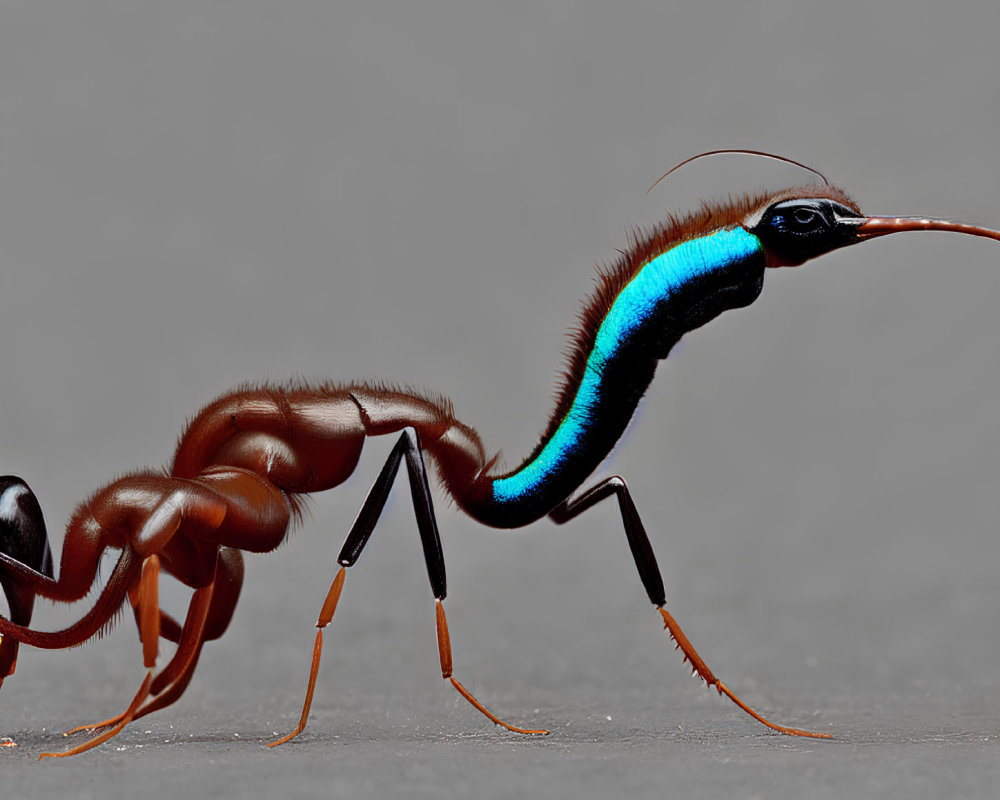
(197, 194)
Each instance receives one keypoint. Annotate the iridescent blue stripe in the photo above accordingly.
(634, 307)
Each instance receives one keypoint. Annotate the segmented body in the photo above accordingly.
(238, 472)
(245, 461)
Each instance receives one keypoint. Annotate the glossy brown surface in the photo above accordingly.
(238, 471)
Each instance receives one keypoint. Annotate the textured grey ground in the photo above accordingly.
(196, 194)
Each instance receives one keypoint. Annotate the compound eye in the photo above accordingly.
(807, 219)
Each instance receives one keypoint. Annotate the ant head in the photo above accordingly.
(798, 225)
(795, 230)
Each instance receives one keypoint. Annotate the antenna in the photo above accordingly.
(740, 151)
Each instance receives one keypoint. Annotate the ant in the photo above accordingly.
(244, 462)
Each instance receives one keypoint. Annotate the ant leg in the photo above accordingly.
(145, 596)
(146, 600)
(444, 650)
(357, 538)
(361, 531)
(99, 616)
(159, 527)
(225, 592)
(209, 614)
(140, 696)
(649, 573)
(83, 546)
(176, 675)
(325, 616)
(170, 630)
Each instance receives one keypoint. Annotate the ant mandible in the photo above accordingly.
(244, 462)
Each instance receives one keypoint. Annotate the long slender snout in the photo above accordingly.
(881, 226)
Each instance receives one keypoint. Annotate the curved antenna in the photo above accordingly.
(741, 151)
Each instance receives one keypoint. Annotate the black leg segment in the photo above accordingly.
(361, 531)
(638, 541)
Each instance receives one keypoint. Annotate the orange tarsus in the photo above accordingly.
(700, 668)
(492, 717)
(313, 671)
(94, 726)
(444, 650)
(137, 701)
(325, 616)
(177, 670)
(723, 689)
